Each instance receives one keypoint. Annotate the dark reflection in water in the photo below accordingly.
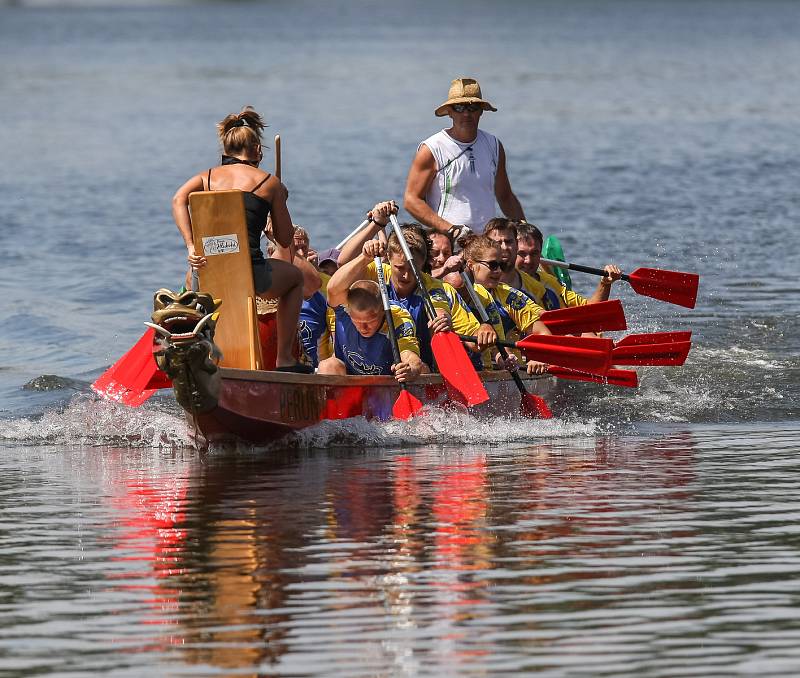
(675, 553)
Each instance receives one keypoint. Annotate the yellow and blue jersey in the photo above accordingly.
(443, 296)
(315, 326)
(548, 292)
(372, 355)
(511, 313)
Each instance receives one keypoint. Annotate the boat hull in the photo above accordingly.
(262, 406)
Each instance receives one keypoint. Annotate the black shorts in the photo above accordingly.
(262, 275)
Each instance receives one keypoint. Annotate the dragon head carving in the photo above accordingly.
(184, 323)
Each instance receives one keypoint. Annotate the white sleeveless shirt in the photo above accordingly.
(462, 192)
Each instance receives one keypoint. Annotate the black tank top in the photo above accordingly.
(256, 211)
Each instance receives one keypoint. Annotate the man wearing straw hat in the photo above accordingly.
(459, 173)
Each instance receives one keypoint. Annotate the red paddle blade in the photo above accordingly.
(159, 380)
(652, 354)
(534, 407)
(406, 405)
(654, 338)
(627, 378)
(588, 354)
(456, 368)
(605, 315)
(128, 380)
(675, 287)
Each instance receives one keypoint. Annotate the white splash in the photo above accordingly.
(89, 421)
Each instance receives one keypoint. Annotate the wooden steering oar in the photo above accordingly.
(676, 287)
(454, 364)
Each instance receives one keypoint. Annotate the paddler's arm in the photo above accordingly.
(603, 290)
(506, 199)
(352, 271)
(180, 213)
(420, 176)
(379, 216)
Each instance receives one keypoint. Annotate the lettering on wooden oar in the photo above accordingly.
(220, 244)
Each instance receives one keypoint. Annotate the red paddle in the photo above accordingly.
(134, 377)
(676, 287)
(586, 354)
(530, 405)
(406, 405)
(652, 354)
(657, 348)
(604, 315)
(452, 360)
(626, 378)
(654, 338)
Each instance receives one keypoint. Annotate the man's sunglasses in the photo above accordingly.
(461, 108)
(491, 265)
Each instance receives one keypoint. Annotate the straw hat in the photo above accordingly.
(464, 91)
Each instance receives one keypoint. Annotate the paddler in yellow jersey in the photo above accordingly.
(512, 313)
(357, 260)
(520, 247)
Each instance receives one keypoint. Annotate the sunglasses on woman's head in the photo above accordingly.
(460, 108)
(491, 265)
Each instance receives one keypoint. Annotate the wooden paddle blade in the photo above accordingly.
(627, 378)
(675, 287)
(534, 407)
(457, 369)
(406, 405)
(652, 354)
(588, 354)
(127, 380)
(654, 338)
(604, 315)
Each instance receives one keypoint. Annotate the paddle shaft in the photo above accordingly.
(388, 312)
(581, 268)
(499, 343)
(353, 233)
(484, 318)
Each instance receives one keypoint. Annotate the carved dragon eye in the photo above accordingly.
(163, 299)
(187, 299)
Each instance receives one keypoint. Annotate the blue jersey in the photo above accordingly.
(312, 325)
(372, 355)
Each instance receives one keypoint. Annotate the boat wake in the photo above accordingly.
(88, 421)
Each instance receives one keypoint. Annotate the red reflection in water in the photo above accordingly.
(152, 535)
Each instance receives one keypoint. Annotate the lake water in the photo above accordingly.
(645, 533)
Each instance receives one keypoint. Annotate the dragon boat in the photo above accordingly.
(217, 360)
(227, 404)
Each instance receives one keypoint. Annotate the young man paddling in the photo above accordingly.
(361, 342)
(357, 262)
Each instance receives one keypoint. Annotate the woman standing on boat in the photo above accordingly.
(264, 195)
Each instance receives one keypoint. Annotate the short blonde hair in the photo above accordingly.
(364, 295)
(417, 243)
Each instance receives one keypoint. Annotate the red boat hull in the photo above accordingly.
(261, 406)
